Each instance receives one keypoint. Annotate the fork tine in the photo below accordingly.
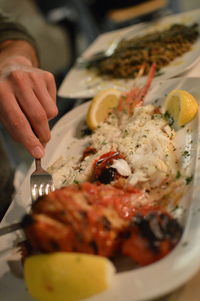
(41, 189)
(41, 181)
(49, 188)
(34, 192)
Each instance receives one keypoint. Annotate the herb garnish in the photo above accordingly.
(186, 154)
(169, 118)
(85, 132)
(189, 180)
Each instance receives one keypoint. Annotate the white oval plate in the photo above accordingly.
(82, 83)
(140, 284)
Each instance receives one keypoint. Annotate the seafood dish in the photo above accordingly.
(160, 47)
(103, 220)
(125, 165)
(117, 197)
(142, 225)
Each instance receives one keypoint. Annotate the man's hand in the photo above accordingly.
(27, 102)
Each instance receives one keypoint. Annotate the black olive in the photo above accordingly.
(107, 175)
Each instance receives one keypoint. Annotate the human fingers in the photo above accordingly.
(35, 113)
(51, 85)
(46, 101)
(18, 126)
(37, 81)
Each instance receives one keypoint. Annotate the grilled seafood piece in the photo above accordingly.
(151, 237)
(101, 219)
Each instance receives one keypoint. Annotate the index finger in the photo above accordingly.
(51, 85)
(19, 128)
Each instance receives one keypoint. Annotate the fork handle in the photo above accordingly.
(38, 163)
(10, 228)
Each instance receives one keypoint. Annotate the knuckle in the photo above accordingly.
(31, 141)
(35, 76)
(52, 112)
(49, 76)
(18, 124)
(17, 75)
(38, 118)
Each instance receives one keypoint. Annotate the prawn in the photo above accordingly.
(135, 97)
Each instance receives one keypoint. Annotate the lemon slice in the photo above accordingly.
(67, 276)
(101, 105)
(181, 105)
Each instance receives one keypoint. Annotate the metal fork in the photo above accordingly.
(41, 181)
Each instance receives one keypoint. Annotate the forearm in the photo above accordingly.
(17, 51)
(13, 30)
(27, 93)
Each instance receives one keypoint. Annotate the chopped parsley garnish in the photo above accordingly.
(157, 116)
(189, 180)
(169, 118)
(186, 154)
(178, 174)
(175, 208)
(86, 132)
(125, 132)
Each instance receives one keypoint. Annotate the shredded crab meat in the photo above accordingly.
(141, 134)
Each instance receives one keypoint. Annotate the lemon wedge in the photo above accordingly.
(67, 276)
(101, 105)
(181, 105)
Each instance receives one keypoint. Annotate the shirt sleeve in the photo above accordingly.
(11, 30)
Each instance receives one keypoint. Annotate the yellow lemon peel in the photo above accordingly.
(181, 105)
(67, 276)
(101, 105)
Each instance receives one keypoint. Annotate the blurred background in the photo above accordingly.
(63, 29)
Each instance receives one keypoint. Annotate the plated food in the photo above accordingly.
(172, 54)
(122, 190)
(129, 278)
(135, 144)
(138, 54)
(126, 209)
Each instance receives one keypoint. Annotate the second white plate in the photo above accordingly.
(81, 83)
